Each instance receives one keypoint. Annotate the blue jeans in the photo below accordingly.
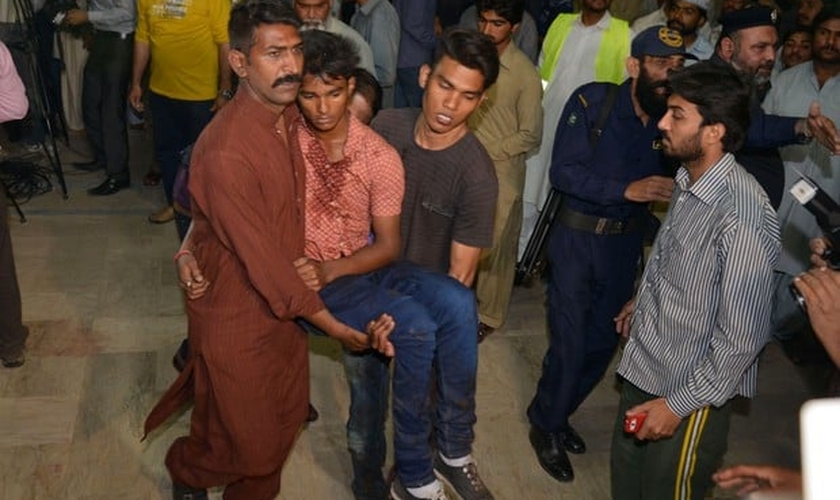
(436, 320)
(177, 124)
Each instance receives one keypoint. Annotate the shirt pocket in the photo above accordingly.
(437, 208)
(673, 264)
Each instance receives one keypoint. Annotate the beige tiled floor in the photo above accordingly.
(105, 316)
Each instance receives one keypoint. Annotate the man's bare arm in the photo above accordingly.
(384, 250)
(141, 60)
(463, 262)
(193, 282)
(225, 77)
(378, 331)
(380, 253)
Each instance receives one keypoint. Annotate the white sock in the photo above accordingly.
(457, 462)
(427, 490)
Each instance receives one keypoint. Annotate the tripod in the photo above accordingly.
(39, 99)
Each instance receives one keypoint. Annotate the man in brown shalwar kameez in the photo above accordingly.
(248, 373)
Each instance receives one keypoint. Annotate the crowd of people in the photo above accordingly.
(375, 181)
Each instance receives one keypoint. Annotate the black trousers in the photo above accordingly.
(104, 98)
(12, 332)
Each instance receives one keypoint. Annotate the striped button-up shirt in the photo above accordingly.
(702, 314)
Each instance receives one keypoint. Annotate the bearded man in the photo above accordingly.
(597, 240)
(748, 44)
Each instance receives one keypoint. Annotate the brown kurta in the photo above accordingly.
(248, 373)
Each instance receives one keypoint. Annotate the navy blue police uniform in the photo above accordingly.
(595, 245)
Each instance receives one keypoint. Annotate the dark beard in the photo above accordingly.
(677, 26)
(653, 104)
(691, 151)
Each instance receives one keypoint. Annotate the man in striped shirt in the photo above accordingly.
(702, 313)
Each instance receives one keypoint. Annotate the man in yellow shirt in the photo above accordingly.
(189, 76)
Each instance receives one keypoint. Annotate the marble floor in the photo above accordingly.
(105, 314)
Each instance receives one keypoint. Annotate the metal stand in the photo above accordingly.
(14, 202)
(50, 117)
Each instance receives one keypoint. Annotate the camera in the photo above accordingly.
(827, 212)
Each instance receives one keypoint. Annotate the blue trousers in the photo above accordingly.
(436, 321)
(177, 124)
(591, 279)
(407, 90)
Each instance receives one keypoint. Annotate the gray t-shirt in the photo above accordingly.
(449, 194)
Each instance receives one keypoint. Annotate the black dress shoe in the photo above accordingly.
(13, 361)
(108, 187)
(552, 458)
(179, 360)
(484, 331)
(88, 166)
(313, 414)
(184, 492)
(572, 441)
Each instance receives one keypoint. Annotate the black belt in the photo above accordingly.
(599, 225)
(114, 34)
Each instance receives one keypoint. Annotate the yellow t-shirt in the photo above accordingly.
(183, 37)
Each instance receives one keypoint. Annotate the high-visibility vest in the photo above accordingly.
(609, 62)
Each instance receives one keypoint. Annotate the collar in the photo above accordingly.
(711, 185)
(506, 57)
(260, 113)
(602, 24)
(368, 7)
(353, 131)
(624, 102)
(808, 66)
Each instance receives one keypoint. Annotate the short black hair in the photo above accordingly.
(471, 49)
(369, 88)
(808, 30)
(827, 13)
(511, 10)
(721, 95)
(247, 15)
(328, 55)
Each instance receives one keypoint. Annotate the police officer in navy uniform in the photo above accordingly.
(607, 178)
(748, 42)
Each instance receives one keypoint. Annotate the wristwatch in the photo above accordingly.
(804, 138)
(227, 94)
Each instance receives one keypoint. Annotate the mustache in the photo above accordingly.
(290, 78)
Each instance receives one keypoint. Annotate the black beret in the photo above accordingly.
(757, 15)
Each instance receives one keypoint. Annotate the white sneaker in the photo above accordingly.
(399, 492)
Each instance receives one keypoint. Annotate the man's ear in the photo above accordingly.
(351, 85)
(633, 66)
(716, 132)
(726, 48)
(423, 77)
(515, 28)
(238, 62)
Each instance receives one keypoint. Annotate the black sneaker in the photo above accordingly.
(464, 481)
(398, 492)
(13, 361)
(184, 492)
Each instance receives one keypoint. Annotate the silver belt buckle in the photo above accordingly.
(601, 226)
